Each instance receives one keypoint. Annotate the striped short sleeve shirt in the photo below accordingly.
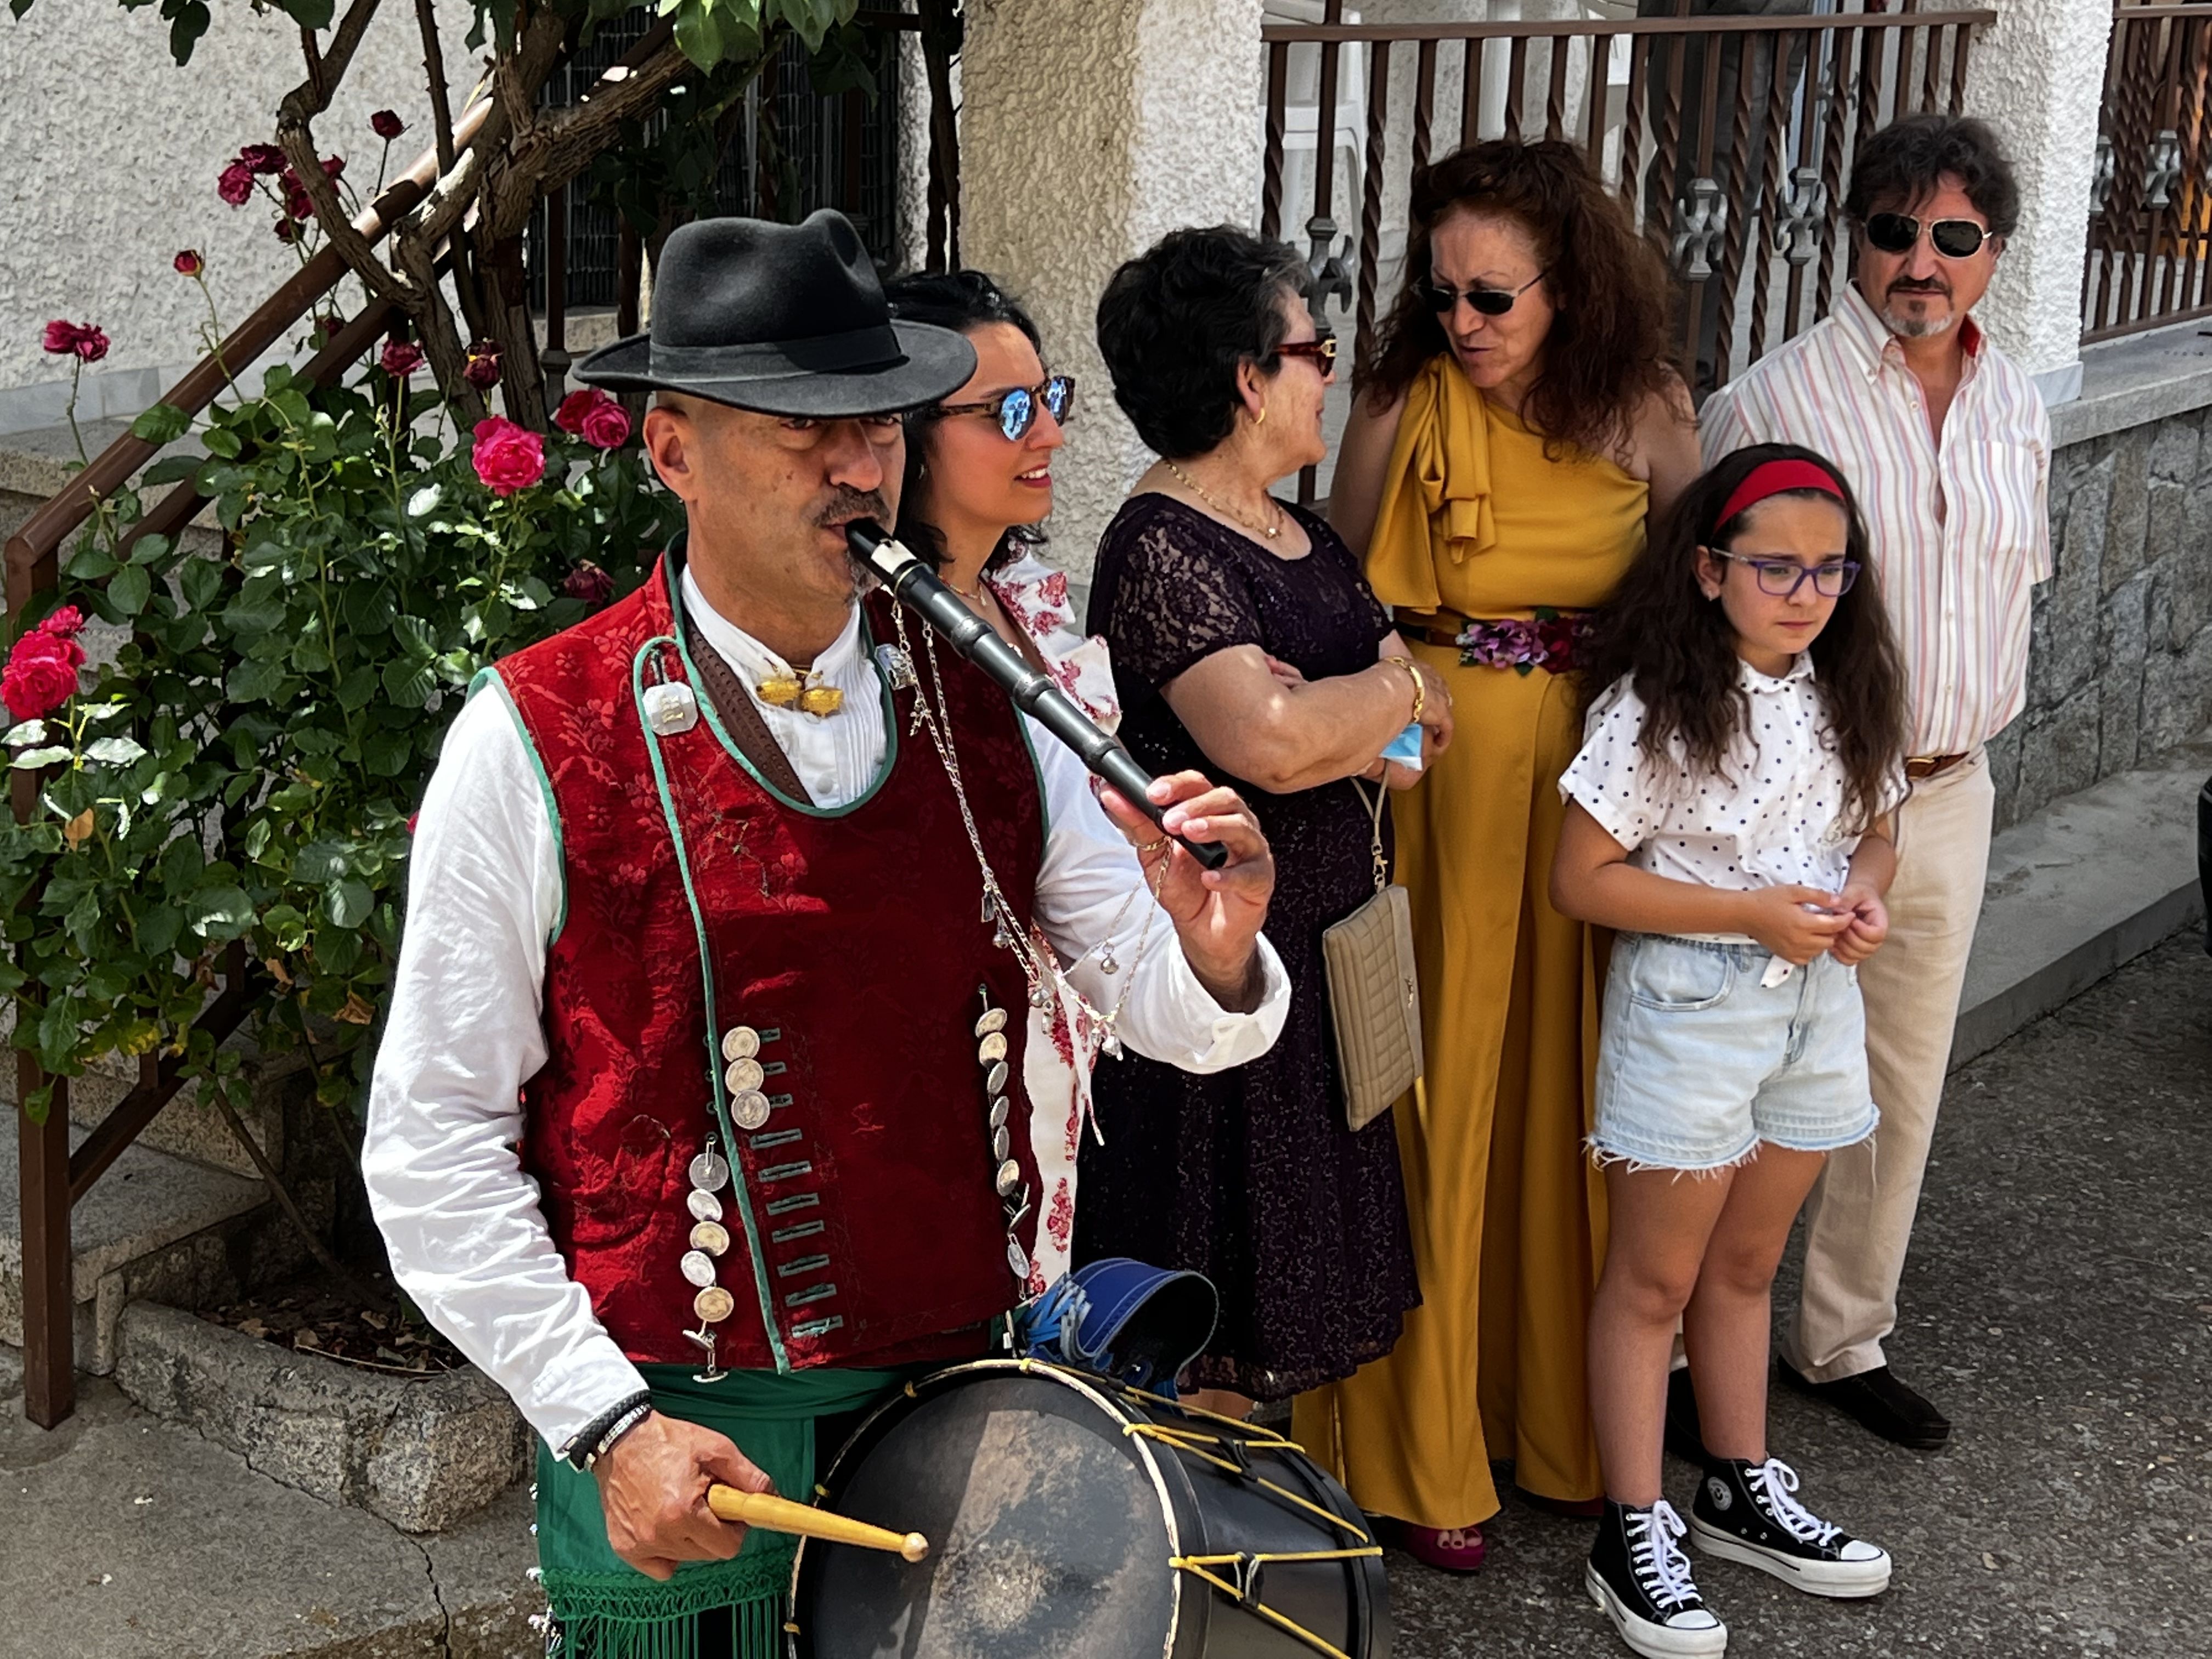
(1961, 530)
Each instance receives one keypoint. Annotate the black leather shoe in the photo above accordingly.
(1686, 1436)
(1878, 1403)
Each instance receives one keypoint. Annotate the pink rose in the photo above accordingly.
(41, 674)
(590, 584)
(189, 263)
(61, 337)
(262, 158)
(595, 418)
(401, 358)
(507, 457)
(482, 370)
(234, 184)
(64, 624)
(386, 125)
(91, 343)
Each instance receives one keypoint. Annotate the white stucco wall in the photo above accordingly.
(1089, 128)
(2036, 75)
(113, 153)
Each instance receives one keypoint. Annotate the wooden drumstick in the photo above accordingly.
(780, 1514)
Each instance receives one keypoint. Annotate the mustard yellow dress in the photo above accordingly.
(1508, 1215)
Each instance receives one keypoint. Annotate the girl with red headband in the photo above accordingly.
(1729, 815)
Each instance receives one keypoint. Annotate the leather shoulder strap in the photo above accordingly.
(741, 718)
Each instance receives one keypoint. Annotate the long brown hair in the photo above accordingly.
(1659, 628)
(1607, 352)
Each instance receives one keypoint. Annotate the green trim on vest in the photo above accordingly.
(672, 564)
(737, 1187)
(544, 787)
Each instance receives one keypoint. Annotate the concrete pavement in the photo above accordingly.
(2059, 1306)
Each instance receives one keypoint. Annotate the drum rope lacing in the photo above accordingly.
(1247, 1564)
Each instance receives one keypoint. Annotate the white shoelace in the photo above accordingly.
(1771, 1482)
(1662, 1569)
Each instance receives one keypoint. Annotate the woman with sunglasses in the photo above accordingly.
(1518, 423)
(977, 488)
(1246, 642)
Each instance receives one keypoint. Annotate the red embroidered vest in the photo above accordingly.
(863, 1222)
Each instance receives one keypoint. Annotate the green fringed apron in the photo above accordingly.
(604, 1608)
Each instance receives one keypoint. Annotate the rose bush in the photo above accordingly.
(245, 766)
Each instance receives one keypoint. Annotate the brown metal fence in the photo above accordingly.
(2149, 261)
(1728, 138)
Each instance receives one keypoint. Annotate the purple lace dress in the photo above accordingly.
(1250, 1175)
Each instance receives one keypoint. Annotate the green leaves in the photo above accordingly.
(164, 423)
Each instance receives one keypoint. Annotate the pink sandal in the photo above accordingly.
(1424, 1544)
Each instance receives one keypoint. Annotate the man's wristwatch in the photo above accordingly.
(597, 1437)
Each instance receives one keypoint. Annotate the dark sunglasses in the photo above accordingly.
(1899, 233)
(1782, 578)
(1490, 301)
(1321, 348)
(1016, 411)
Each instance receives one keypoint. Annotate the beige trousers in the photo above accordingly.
(1859, 1219)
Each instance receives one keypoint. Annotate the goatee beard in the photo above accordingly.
(1914, 328)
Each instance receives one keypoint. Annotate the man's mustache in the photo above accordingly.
(845, 504)
(1920, 285)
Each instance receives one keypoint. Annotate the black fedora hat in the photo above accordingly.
(786, 319)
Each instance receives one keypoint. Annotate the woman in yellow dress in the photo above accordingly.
(1518, 424)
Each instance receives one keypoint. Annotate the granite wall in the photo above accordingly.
(2122, 664)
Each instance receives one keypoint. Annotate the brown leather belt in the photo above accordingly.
(1430, 636)
(1917, 767)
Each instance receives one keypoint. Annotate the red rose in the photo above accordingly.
(61, 337)
(41, 674)
(234, 184)
(386, 125)
(286, 232)
(590, 584)
(262, 158)
(66, 623)
(595, 418)
(91, 345)
(507, 457)
(401, 357)
(482, 370)
(189, 263)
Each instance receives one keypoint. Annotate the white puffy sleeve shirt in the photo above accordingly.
(460, 1218)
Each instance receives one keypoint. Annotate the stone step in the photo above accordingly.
(153, 1225)
(2085, 885)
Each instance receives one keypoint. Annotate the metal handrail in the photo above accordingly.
(1558, 28)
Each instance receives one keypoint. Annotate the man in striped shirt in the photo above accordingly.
(1948, 447)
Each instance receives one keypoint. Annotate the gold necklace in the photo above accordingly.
(1270, 531)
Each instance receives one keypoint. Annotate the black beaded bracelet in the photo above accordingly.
(598, 1437)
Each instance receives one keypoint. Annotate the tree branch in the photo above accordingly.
(560, 144)
(434, 65)
(327, 69)
(298, 142)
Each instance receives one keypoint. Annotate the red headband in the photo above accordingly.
(1774, 478)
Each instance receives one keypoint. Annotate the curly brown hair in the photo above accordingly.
(1607, 352)
(1659, 628)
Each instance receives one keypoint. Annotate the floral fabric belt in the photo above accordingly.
(1551, 640)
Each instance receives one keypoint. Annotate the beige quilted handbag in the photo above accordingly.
(1373, 993)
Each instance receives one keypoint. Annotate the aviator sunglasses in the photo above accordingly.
(1490, 301)
(1016, 411)
(1899, 233)
(1782, 578)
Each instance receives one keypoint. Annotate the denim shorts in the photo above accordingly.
(1700, 1061)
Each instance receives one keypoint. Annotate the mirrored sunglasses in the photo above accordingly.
(1490, 301)
(1899, 233)
(1782, 577)
(1016, 411)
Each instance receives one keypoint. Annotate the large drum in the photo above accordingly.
(1072, 1517)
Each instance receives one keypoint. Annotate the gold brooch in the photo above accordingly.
(790, 691)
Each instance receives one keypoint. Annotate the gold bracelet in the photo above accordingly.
(1420, 686)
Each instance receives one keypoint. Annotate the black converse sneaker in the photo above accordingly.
(1638, 1574)
(1745, 1512)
